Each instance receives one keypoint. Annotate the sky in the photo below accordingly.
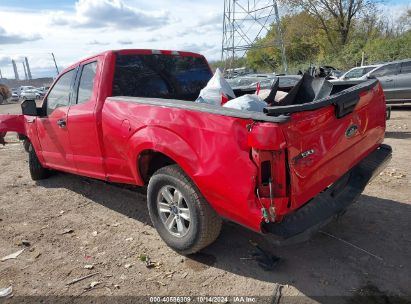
(75, 29)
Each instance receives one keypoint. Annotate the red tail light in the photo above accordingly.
(268, 151)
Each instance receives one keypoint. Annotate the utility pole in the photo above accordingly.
(245, 22)
(1, 75)
(55, 64)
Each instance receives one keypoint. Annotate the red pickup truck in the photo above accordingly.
(128, 116)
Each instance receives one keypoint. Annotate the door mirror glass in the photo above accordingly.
(29, 107)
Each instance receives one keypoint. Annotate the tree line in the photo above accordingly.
(331, 32)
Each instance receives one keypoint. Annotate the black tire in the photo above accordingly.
(37, 171)
(26, 145)
(388, 113)
(204, 225)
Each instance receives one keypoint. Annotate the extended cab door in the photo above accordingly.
(82, 120)
(52, 128)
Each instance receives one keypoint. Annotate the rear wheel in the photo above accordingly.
(182, 217)
(388, 113)
(37, 171)
(26, 145)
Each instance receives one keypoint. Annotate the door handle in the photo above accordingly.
(61, 123)
(389, 80)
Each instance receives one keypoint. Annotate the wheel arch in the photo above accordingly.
(149, 161)
(152, 148)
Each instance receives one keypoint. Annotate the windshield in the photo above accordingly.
(160, 76)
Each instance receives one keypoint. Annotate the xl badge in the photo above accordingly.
(350, 132)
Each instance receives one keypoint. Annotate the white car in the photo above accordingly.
(25, 88)
(28, 95)
(14, 96)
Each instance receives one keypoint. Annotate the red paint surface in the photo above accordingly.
(12, 123)
(221, 154)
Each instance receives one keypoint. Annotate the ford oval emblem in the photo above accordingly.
(350, 132)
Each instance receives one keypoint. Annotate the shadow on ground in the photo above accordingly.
(323, 266)
(398, 135)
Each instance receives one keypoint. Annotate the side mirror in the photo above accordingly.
(371, 77)
(29, 107)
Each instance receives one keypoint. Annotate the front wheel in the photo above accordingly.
(182, 217)
(37, 171)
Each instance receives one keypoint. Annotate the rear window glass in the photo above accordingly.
(160, 76)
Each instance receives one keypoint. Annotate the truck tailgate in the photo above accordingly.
(326, 142)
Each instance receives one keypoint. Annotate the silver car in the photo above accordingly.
(28, 95)
(395, 78)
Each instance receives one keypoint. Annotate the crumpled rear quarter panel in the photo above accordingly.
(211, 149)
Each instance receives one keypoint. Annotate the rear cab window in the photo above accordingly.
(160, 76)
(86, 83)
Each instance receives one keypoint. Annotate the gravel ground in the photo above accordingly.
(71, 227)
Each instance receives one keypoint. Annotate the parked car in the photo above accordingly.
(25, 88)
(357, 72)
(395, 78)
(14, 96)
(29, 94)
(129, 116)
(43, 89)
(39, 93)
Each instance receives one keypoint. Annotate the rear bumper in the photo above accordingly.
(301, 224)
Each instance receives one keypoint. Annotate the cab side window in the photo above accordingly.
(406, 67)
(386, 70)
(59, 95)
(85, 88)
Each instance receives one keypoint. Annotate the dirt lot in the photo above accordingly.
(71, 222)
